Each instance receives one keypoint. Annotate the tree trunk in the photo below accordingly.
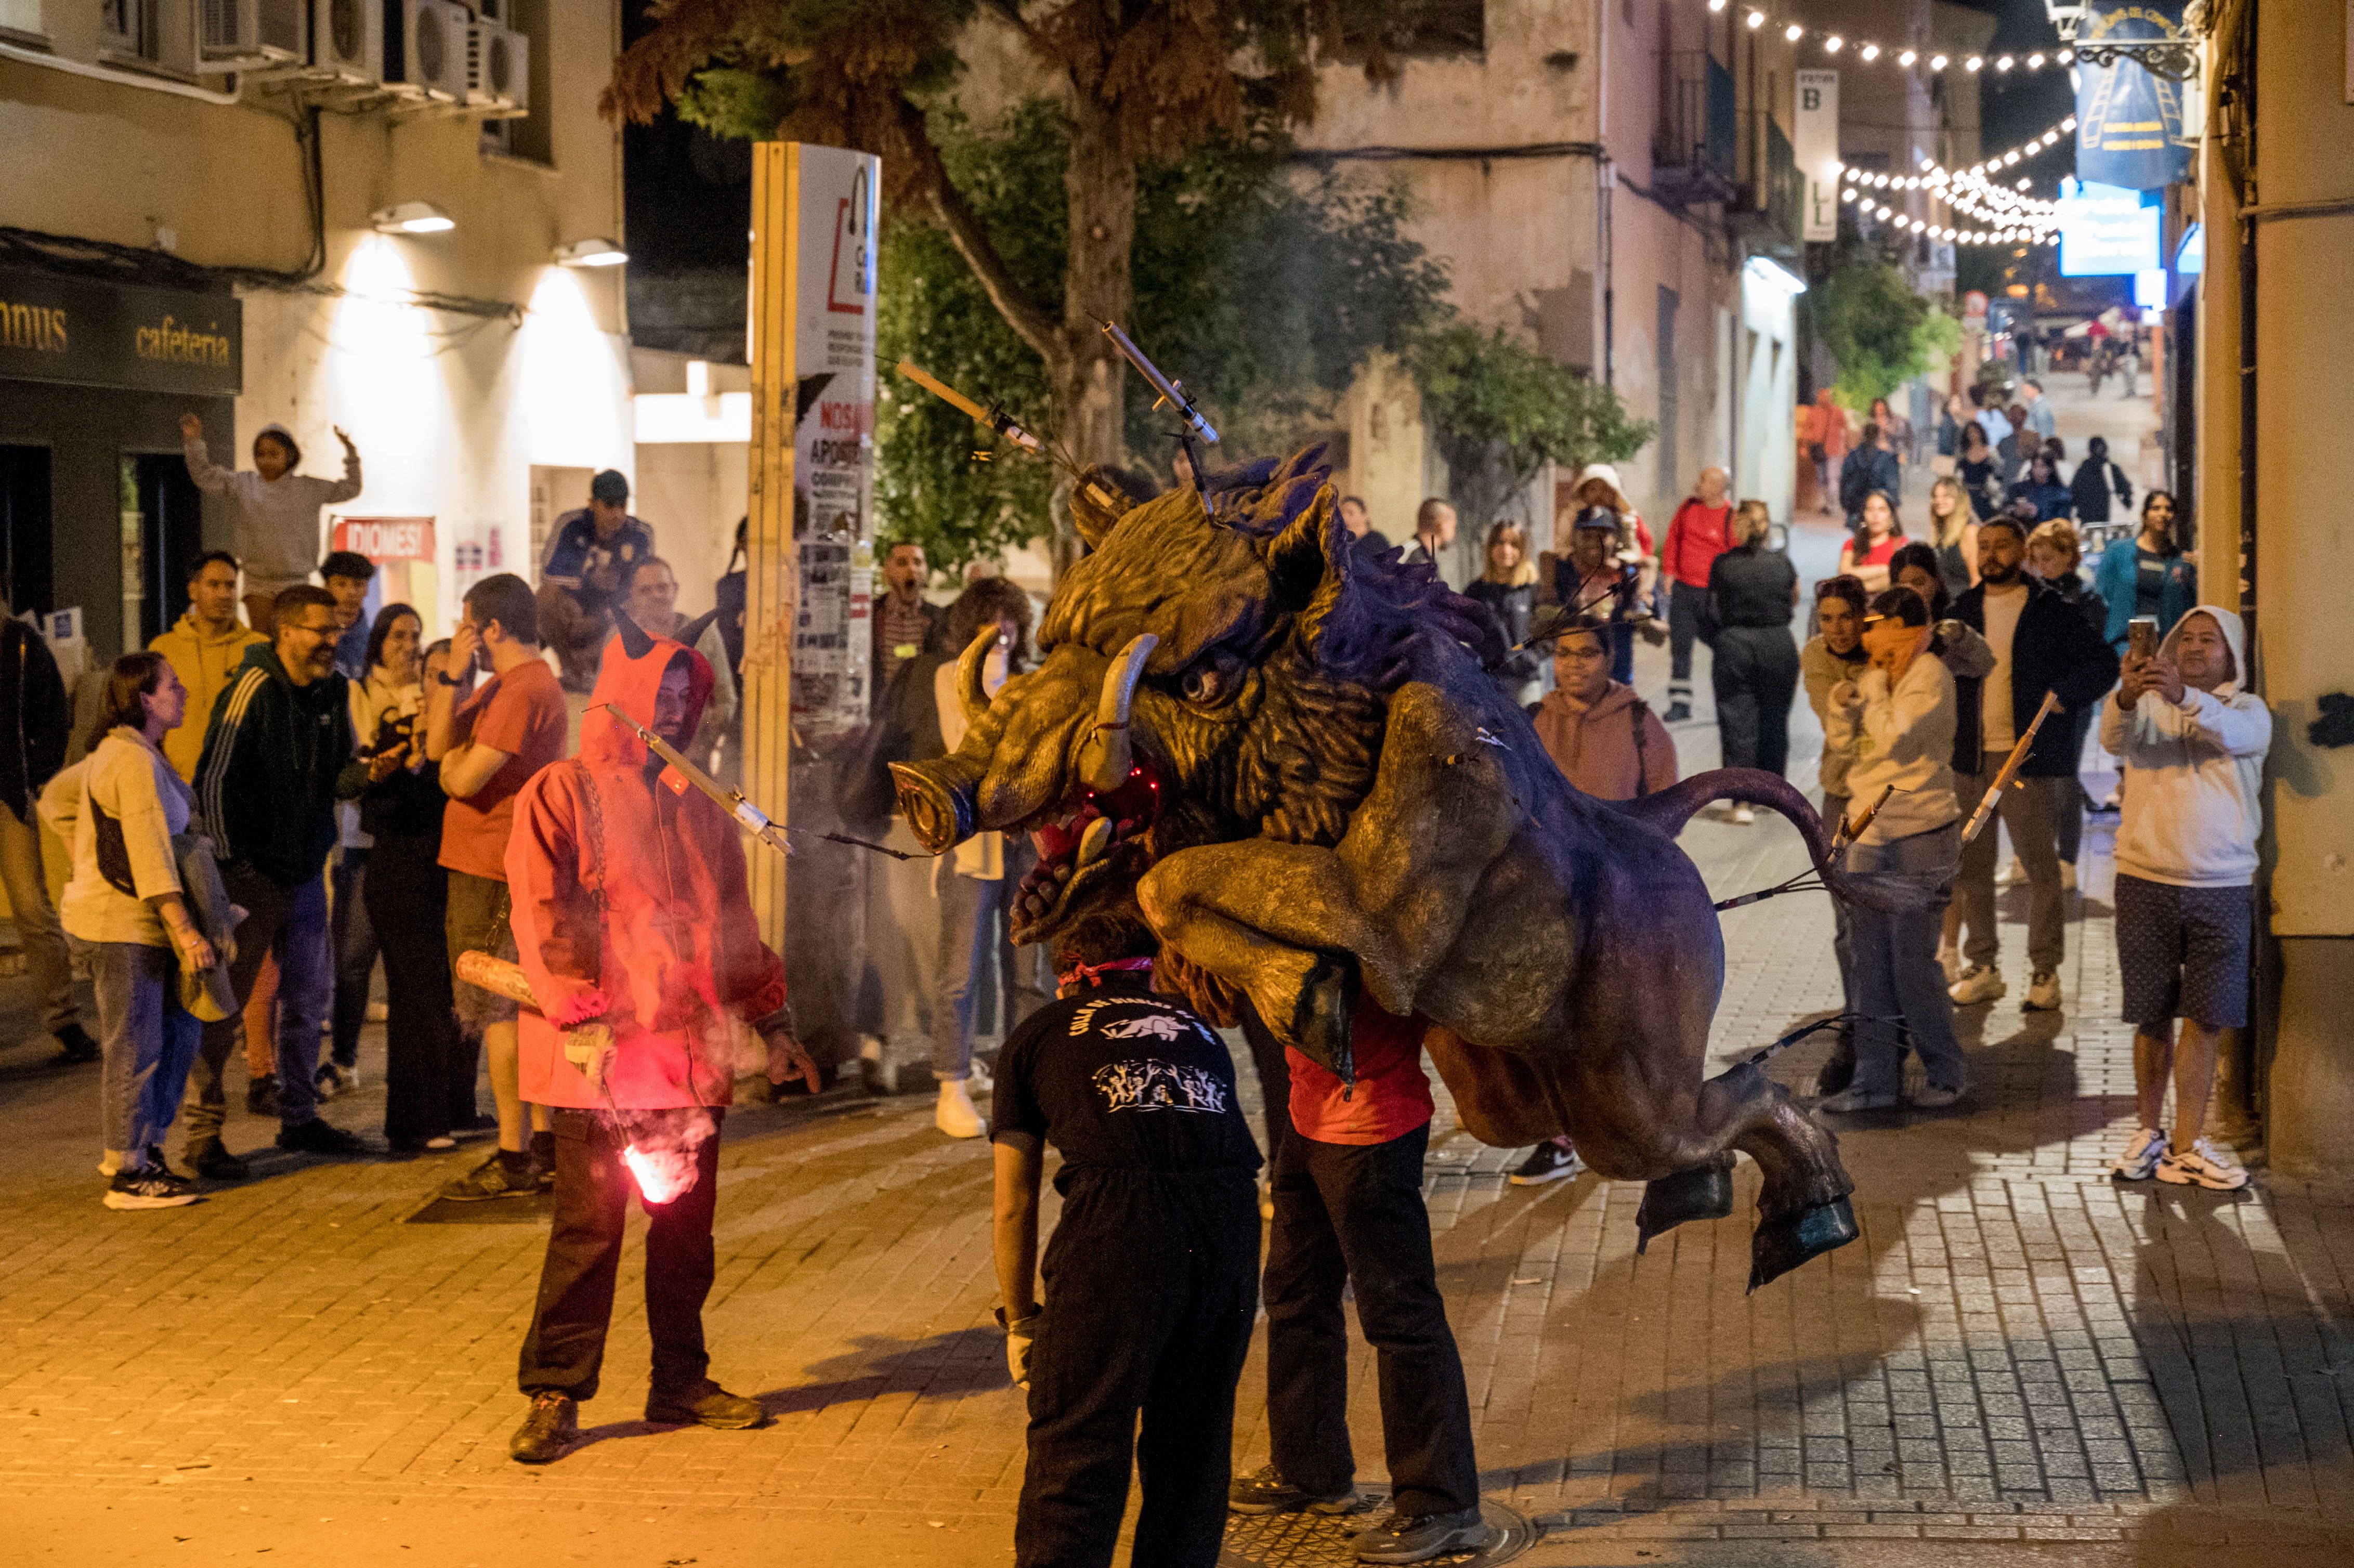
(1088, 376)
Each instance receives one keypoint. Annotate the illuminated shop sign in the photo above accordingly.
(92, 334)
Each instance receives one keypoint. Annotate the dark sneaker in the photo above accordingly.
(155, 1161)
(74, 1044)
(705, 1404)
(546, 1432)
(1548, 1162)
(1416, 1538)
(491, 1178)
(214, 1163)
(1264, 1491)
(317, 1136)
(334, 1079)
(542, 1162)
(262, 1095)
(1678, 713)
(148, 1190)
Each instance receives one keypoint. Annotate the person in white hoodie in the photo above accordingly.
(2192, 745)
(1897, 720)
(277, 509)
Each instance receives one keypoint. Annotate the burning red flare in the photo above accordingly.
(663, 1173)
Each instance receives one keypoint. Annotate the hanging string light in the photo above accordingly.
(1872, 52)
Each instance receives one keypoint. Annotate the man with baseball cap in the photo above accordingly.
(588, 560)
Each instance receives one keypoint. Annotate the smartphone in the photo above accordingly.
(2141, 636)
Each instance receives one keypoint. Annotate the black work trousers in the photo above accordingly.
(1755, 675)
(1150, 1288)
(404, 892)
(564, 1350)
(1352, 1214)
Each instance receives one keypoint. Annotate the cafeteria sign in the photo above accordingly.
(387, 539)
(85, 333)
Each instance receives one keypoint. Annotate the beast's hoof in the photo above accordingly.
(1705, 1193)
(1320, 1022)
(1780, 1246)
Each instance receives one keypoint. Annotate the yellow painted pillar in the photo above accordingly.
(772, 578)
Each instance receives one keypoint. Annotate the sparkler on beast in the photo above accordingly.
(996, 418)
(1171, 393)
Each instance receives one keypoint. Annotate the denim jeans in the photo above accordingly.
(149, 1042)
(1896, 977)
(969, 909)
(290, 922)
(354, 943)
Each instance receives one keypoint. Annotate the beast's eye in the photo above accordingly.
(1212, 678)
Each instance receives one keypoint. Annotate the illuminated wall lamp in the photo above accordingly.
(590, 253)
(411, 218)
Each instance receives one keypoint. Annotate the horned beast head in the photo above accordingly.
(1207, 676)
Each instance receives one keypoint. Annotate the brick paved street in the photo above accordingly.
(2019, 1358)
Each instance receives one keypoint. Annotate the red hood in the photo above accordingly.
(630, 681)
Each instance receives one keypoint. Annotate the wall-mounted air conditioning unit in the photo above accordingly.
(347, 40)
(426, 44)
(499, 74)
(241, 35)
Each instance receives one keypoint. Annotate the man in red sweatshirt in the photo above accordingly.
(631, 912)
(1699, 532)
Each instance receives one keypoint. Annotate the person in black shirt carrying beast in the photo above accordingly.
(1152, 1275)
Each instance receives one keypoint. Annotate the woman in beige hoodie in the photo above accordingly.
(125, 905)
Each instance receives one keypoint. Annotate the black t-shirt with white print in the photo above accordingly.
(1115, 1078)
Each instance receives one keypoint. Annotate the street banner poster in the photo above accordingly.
(833, 212)
(1815, 148)
(2129, 130)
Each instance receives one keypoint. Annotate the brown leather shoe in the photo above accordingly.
(547, 1430)
(705, 1404)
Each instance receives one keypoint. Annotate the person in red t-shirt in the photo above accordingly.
(488, 745)
(1347, 1186)
(1697, 534)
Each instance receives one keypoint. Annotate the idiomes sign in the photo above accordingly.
(2128, 121)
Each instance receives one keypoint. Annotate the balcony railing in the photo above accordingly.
(1692, 149)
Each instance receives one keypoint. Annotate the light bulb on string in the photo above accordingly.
(1871, 52)
(1973, 63)
(1833, 43)
(2002, 62)
(2035, 60)
(1715, 6)
(1936, 62)
(1907, 58)
(1757, 20)
(1794, 32)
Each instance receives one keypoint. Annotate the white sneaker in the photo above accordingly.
(2013, 876)
(1742, 815)
(955, 1115)
(2068, 875)
(2042, 992)
(1979, 982)
(2139, 1161)
(2201, 1166)
(1950, 961)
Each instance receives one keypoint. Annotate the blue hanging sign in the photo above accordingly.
(2128, 121)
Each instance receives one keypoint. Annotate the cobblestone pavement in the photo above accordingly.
(2017, 1350)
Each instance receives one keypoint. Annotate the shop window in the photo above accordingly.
(24, 539)
(163, 531)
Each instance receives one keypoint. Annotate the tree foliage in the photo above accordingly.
(1500, 410)
(1871, 321)
(1140, 81)
(1262, 294)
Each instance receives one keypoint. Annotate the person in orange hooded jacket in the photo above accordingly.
(632, 913)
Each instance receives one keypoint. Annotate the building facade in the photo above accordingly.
(363, 214)
(1614, 182)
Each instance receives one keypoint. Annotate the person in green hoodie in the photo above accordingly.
(281, 734)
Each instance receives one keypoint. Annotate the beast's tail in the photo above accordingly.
(1671, 808)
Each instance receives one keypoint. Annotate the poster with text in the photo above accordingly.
(834, 222)
(1815, 148)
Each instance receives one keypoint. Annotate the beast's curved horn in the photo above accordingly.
(1108, 769)
(971, 691)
